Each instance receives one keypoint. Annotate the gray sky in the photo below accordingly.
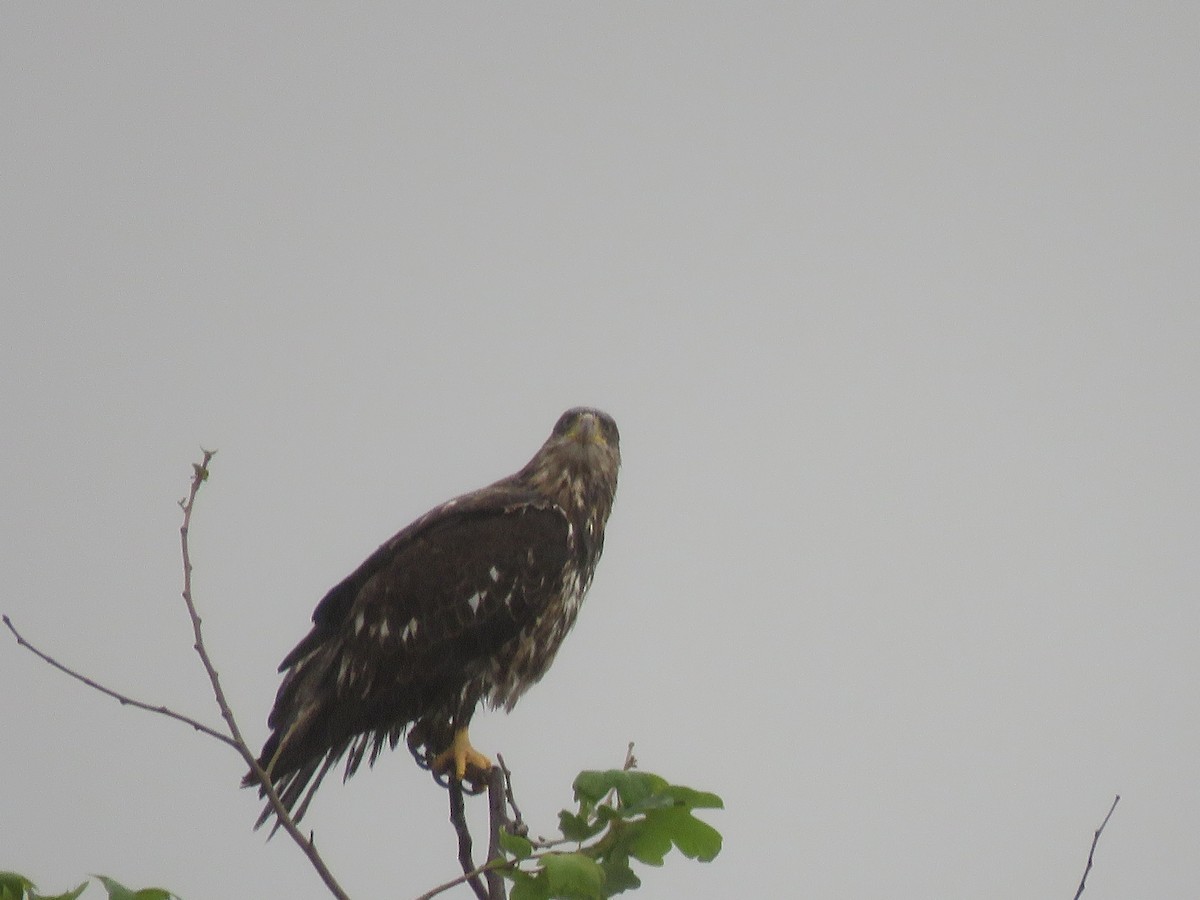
(895, 304)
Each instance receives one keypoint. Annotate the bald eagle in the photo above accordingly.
(469, 603)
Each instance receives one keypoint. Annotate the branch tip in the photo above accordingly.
(1092, 852)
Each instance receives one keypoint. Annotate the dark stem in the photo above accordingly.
(1095, 840)
(458, 819)
(516, 824)
(497, 819)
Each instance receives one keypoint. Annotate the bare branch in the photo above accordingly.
(201, 475)
(234, 739)
(282, 816)
(1095, 840)
(116, 695)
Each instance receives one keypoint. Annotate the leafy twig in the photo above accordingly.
(1095, 840)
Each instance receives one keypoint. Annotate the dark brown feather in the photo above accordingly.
(468, 603)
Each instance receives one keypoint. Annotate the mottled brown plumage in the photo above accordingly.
(469, 603)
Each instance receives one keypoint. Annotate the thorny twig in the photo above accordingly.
(1095, 840)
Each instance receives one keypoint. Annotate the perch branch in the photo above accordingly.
(459, 819)
(497, 819)
(1095, 840)
(489, 869)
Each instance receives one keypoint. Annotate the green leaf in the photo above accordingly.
(118, 891)
(636, 788)
(576, 827)
(514, 845)
(648, 843)
(618, 877)
(574, 876)
(646, 819)
(527, 887)
(694, 838)
(14, 886)
(628, 811)
(69, 895)
(693, 799)
(591, 786)
(631, 787)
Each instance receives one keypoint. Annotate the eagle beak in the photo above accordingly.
(587, 430)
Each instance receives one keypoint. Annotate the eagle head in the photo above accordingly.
(577, 465)
(587, 438)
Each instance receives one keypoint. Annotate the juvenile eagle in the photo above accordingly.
(470, 602)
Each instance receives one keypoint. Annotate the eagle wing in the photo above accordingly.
(415, 623)
(470, 603)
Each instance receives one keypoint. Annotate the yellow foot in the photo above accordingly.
(462, 759)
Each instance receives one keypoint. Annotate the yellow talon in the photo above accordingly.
(463, 757)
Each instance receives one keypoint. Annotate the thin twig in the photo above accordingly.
(516, 825)
(457, 880)
(234, 739)
(281, 813)
(1095, 840)
(116, 695)
(201, 475)
(458, 819)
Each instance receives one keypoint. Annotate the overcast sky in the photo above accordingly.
(896, 306)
